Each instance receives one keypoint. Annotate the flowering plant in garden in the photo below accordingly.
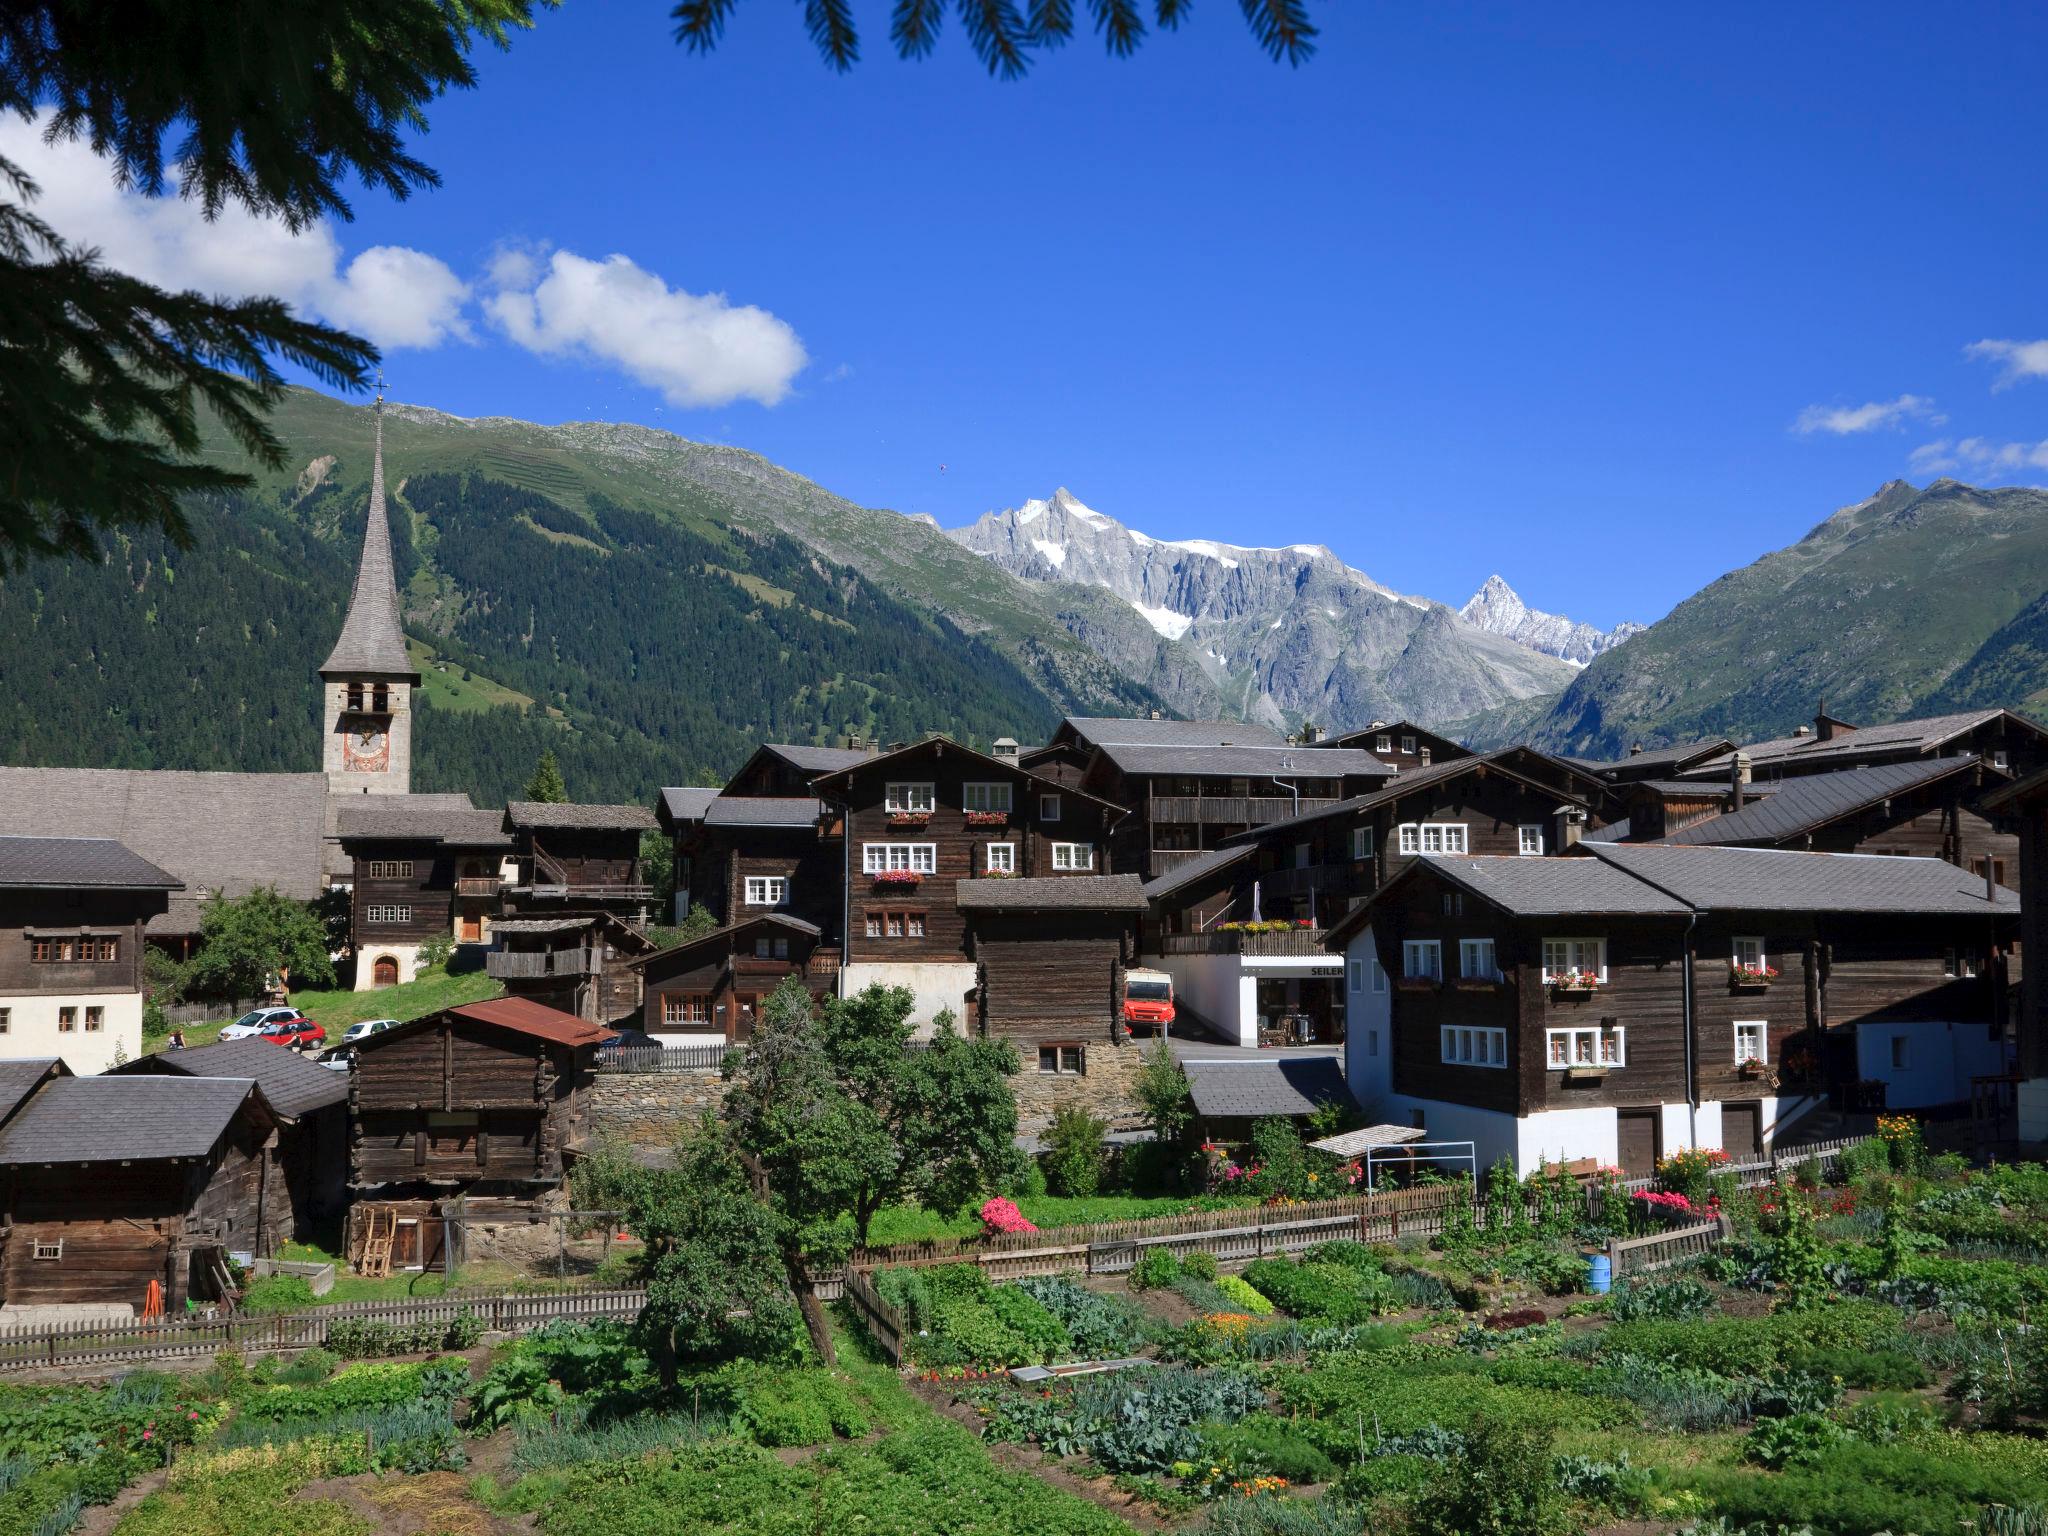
(1001, 1215)
(1902, 1139)
(1671, 1200)
(897, 877)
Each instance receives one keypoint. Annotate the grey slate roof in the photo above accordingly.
(292, 1084)
(1799, 805)
(1900, 738)
(108, 1119)
(1395, 788)
(1052, 893)
(1202, 865)
(227, 831)
(1103, 731)
(687, 802)
(1784, 880)
(762, 811)
(1553, 886)
(817, 759)
(74, 862)
(19, 1078)
(1258, 761)
(421, 817)
(1296, 1085)
(371, 640)
(1652, 759)
(525, 814)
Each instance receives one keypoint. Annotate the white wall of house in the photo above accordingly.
(2033, 1109)
(32, 1031)
(1368, 1023)
(1926, 1064)
(675, 1039)
(406, 953)
(935, 985)
(1217, 990)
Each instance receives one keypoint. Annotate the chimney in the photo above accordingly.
(1004, 749)
(1635, 749)
(1803, 732)
(1425, 757)
(1738, 781)
(1571, 825)
(1990, 881)
(1311, 733)
(1823, 727)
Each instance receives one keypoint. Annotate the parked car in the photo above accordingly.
(298, 1032)
(252, 1022)
(625, 1039)
(339, 1060)
(356, 1032)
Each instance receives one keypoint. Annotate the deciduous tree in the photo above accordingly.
(246, 940)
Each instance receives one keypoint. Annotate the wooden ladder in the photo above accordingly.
(377, 1240)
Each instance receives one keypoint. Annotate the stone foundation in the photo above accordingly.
(1104, 1090)
(646, 1109)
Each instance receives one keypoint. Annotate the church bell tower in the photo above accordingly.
(367, 681)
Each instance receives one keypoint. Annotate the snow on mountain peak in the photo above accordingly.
(1498, 609)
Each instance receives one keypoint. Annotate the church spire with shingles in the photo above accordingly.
(372, 644)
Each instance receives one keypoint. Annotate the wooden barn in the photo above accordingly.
(311, 1104)
(578, 962)
(487, 1098)
(709, 990)
(1050, 956)
(109, 1183)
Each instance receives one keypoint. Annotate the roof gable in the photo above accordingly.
(127, 1118)
(938, 746)
(1797, 806)
(78, 863)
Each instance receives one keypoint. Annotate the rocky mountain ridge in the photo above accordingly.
(1498, 609)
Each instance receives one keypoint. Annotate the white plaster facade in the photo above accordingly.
(935, 986)
(1223, 990)
(1927, 1063)
(33, 1031)
(405, 951)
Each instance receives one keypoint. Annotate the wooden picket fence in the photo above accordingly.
(180, 1338)
(1660, 1250)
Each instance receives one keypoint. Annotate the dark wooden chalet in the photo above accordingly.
(2022, 810)
(1049, 957)
(1679, 995)
(2005, 741)
(487, 1098)
(310, 1102)
(579, 963)
(109, 1183)
(710, 989)
(579, 858)
(1925, 807)
(1660, 762)
(741, 855)
(420, 871)
(1401, 744)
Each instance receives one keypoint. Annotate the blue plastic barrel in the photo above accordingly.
(1599, 1274)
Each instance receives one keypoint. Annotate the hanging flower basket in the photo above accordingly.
(898, 877)
(988, 818)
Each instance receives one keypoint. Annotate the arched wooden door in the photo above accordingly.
(384, 972)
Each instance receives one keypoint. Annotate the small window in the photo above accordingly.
(391, 869)
(1432, 837)
(885, 858)
(1464, 1046)
(6, 1020)
(1379, 975)
(1901, 1054)
(1597, 1046)
(895, 925)
(1476, 960)
(1749, 955)
(989, 799)
(355, 697)
(1062, 1060)
(1048, 807)
(1999, 759)
(380, 699)
(1752, 1041)
(1002, 858)
(1361, 842)
(1454, 903)
(1356, 971)
(44, 1248)
(67, 1021)
(767, 890)
(874, 925)
(1422, 960)
(1073, 856)
(95, 1020)
(1996, 867)
(387, 914)
(1372, 1042)
(1408, 745)
(1383, 744)
(909, 800)
(1574, 959)
(1529, 841)
(1961, 963)
(679, 1010)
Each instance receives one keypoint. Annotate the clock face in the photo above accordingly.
(366, 751)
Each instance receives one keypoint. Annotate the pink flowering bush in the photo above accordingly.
(1000, 1215)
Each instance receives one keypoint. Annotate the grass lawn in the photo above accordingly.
(913, 1224)
(335, 1011)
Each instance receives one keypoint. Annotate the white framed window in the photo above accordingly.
(1961, 963)
(1356, 971)
(1073, 856)
(767, 890)
(1574, 957)
(1529, 840)
(1454, 903)
(910, 799)
(918, 858)
(1408, 745)
(985, 797)
(1002, 858)
(1361, 842)
(390, 869)
(1431, 837)
(1422, 960)
(1464, 1046)
(1749, 954)
(1752, 1041)
(1048, 807)
(1383, 744)
(45, 1248)
(1476, 961)
(1593, 1046)
(387, 914)
(1379, 975)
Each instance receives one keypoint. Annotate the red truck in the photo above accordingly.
(1148, 1000)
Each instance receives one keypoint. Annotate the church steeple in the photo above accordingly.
(367, 679)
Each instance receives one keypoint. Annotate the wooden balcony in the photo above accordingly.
(544, 891)
(1230, 810)
(538, 964)
(1303, 943)
(477, 885)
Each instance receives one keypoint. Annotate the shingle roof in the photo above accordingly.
(1103, 731)
(1052, 893)
(291, 1084)
(1555, 886)
(1799, 805)
(1696, 789)
(371, 640)
(947, 744)
(108, 1119)
(66, 862)
(687, 803)
(18, 1079)
(1651, 759)
(1900, 738)
(1399, 787)
(1297, 1085)
(605, 818)
(1253, 761)
(725, 934)
(227, 831)
(415, 818)
(1197, 868)
(817, 759)
(763, 811)
(1785, 880)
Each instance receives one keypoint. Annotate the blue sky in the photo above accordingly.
(1543, 290)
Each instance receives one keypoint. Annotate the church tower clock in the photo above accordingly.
(367, 681)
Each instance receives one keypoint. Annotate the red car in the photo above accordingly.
(297, 1032)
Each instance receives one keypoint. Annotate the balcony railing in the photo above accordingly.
(1232, 810)
(544, 891)
(477, 885)
(1306, 943)
(532, 964)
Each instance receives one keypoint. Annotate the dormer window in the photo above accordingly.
(1383, 744)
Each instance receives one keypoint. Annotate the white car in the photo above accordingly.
(252, 1022)
(338, 1061)
(356, 1032)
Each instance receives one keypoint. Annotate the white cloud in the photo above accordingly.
(1980, 457)
(1845, 420)
(395, 296)
(2022, 359)
(697, 349)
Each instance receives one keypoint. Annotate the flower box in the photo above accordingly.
(897, 877)
(1477, 986)
(988, 818)
(1752, 1069)
(1575, 988)
(1586, 1074)
(1751, 981)
(909, 818)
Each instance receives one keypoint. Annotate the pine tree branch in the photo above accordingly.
(701, 23)
(914, 28)
(1121, 26)
(1282, 28)
(830, 23)
(1171, 13)
(998, 35)
(1051, 22)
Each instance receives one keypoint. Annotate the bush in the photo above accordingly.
(1242, 1295)
(1073, 1155)
(1500, 1483)
(1263, 1446)
(1199, 1265)
(278, 1293)
(1156, 1268)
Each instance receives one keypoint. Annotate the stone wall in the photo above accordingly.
(1104, 1090)
(646, 1109)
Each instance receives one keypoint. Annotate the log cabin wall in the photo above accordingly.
(1787, 1005)
(1420, 1012)
(1904, 970)
(583, 856)
(1051, 976)
(417, 878)
(719, 983)
(1944, 829)
(242, 1196)
(117, 1224)
(813, 866)
(116, 915)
